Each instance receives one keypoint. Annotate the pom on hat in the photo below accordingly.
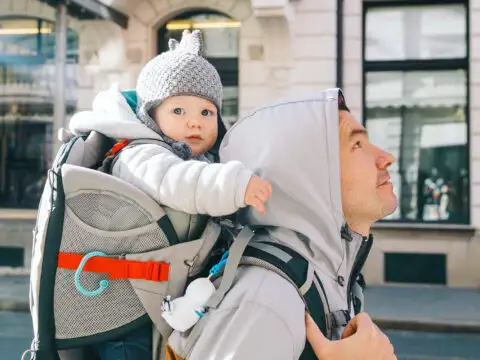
(191, 43)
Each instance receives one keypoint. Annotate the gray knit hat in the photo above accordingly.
(180, 71)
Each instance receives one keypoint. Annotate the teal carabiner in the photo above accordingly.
(103, 284)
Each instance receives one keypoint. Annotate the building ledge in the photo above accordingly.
(271, 8)
(90, 10)
(423, 226)
(18, 214)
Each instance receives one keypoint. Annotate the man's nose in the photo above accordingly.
(384, 159)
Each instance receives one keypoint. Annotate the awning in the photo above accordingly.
(90, 10)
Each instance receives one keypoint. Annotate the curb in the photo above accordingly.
(426, 326)
(384, 324)
(9, 271)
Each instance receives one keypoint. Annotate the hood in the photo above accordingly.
(294, 144)
(113, 114)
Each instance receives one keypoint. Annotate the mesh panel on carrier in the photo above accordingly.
(96, 221)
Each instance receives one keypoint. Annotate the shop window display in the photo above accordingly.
(416, 106)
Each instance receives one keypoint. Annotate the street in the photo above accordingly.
(15, 334)
(15, 337)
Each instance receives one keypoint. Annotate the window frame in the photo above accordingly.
(409, 65)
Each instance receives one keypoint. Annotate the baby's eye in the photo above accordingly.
(179, 111)
(207, 112)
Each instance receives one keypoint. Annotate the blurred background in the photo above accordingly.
(410, 71)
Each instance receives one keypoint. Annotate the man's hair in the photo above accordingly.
(342, 104)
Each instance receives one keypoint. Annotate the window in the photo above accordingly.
(411, 268)
(27, 82)
(416, 104)
(221, 36)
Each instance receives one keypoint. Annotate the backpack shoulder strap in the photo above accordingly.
(357, 294)
(112, 156)
(298, 271)
(295, 268)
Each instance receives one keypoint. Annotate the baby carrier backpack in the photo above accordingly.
(106, 257)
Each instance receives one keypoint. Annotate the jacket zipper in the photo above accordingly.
(358, 264)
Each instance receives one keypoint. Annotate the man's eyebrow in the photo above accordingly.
(356, 132)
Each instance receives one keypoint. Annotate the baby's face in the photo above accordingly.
(190, 119)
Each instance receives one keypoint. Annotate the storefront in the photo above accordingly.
(27, 69)
(416, 101)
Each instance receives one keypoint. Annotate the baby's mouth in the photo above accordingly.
(194, 138)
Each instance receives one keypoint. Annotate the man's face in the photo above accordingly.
(367, 193)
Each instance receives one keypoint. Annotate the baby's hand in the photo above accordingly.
(257, 193)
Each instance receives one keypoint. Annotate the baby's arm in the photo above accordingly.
(192, 186)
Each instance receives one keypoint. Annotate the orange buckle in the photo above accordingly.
(117, 147)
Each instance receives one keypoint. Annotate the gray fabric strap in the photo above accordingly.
(308, 282)
(275, 251)
(337, 319)
(109, 162)
(234, 257)
(209, 237)
(193, 337)
(149, 141)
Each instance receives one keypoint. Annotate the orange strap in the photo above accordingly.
(117, 147)
(117, 268)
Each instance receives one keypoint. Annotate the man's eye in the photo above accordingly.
(207, 112)
(357, 145)
(179, 111)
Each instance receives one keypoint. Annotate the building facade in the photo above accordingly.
(395, 60)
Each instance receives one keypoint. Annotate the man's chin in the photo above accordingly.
(390, 204)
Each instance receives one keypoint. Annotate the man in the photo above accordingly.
(329, 185)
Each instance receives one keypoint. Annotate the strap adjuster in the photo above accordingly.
(339, 318)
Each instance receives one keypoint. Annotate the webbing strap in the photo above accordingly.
(117, 268)
(234, 257)
(301, 274)
(338, 319)
(308, 281)
(112, 156)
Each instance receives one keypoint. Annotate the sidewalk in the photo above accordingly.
(424, 308)
(14, 292)
(413, 308)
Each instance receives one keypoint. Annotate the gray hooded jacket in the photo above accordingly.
(293, 144)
